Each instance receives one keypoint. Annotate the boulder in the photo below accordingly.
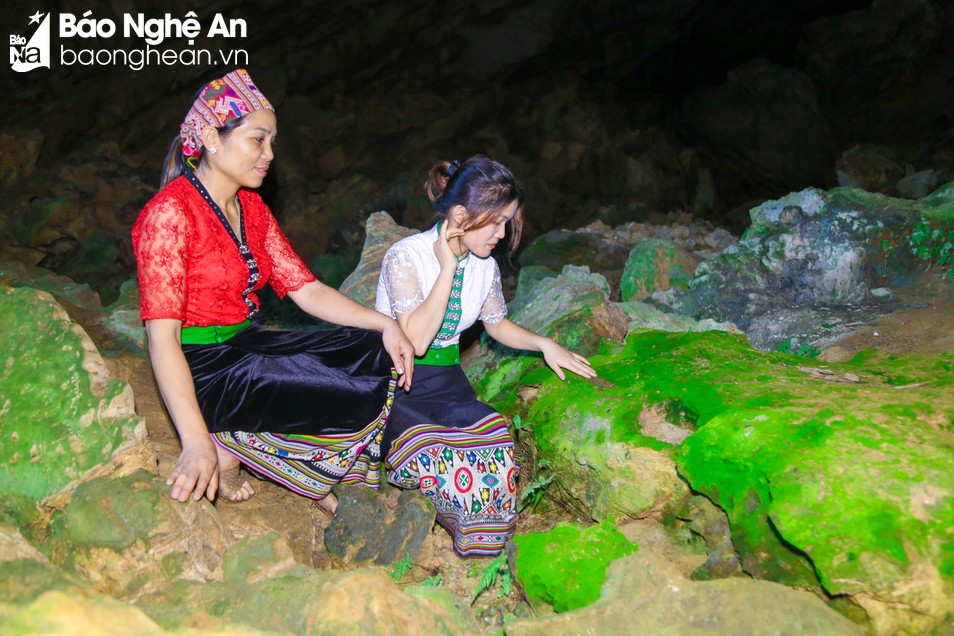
(372, 528)
(655, 265)
(127, 537)
(814, 263)
(606, 250)
(644, 316)
(869, 168)
(64, 418)
(381, 232)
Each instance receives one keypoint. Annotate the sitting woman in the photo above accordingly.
(440, 438)
(306, 409)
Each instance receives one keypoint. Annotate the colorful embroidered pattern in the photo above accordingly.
(453, 312)
(311, 465)
(470, 475)
(219, 102)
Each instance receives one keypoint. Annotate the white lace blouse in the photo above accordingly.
(408, 274)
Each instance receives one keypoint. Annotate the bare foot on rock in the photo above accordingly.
(232, 485)
(328, 505)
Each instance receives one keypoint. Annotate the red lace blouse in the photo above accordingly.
(190, 269)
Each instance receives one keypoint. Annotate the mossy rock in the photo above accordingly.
(656, 265)
(127, 536)
(572, 308)
(566, 566)
(62, 414)
(767, 437)
(256, 558)
(112, 513)
(834, 249)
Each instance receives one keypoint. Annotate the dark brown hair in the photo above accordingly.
(482, 186)
(175, 163)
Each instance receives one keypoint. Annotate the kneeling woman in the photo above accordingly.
(306, 409)
(440, 438)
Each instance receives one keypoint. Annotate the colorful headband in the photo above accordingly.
(220, 101)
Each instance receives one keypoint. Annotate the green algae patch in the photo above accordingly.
(60, 415)
(833, 475)
(566, 567)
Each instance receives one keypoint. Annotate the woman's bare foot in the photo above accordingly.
(328, 504)
(232, 485)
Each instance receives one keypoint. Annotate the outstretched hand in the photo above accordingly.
(559, 358)
(445, 254)
(401, 350)
(196, 472)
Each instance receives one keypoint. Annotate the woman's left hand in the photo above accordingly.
(401, 350)
(559, 358)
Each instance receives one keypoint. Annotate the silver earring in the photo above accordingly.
(212, 151)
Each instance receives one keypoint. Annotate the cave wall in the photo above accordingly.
(615, 111)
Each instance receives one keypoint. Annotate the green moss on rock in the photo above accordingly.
(112, 513)
(831, 477)
(61, 416)
(566, 566)
(655, 265)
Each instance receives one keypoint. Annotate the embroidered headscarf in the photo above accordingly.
(219, 102)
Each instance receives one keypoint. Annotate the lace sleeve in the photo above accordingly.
(402, 281)
(289, 273)
(494, 308)
(159, 240)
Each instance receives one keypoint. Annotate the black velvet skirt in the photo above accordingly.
(292, 382)
(439, 395)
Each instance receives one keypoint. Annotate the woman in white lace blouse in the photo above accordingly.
(439, 437)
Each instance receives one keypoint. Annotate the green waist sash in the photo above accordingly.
(213, 334)
(445, 357)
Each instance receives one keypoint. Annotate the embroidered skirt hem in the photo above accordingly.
(469, 474)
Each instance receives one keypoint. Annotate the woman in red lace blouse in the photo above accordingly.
(306, 409)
